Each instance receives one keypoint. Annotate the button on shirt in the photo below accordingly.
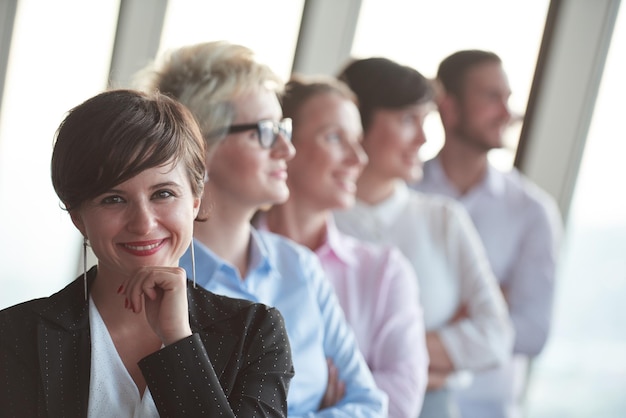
(289, 277)
(438, 238)
(520, 227)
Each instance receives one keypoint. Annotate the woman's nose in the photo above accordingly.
(141, 219)
(507, 113)
(357, 155)
(283, 148)
(420, 135)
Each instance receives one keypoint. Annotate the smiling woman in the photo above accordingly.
(225, 85)
(141, 339)
(376, 286)
(145, 216)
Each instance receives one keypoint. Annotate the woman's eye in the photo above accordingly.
(163, 194)
(333, 137)
(408, 118)
(110, 200)
(254, 134)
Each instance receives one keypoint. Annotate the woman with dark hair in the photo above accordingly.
(133, 336)
(465, 315)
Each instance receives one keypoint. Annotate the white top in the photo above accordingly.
(521, 229)
(112, 391)
(438, 238)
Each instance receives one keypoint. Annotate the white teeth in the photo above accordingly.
(142, 247)
(348, 183)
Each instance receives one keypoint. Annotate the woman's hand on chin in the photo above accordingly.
(161, 292)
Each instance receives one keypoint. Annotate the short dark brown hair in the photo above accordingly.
(116, 135)
(380, 83)
(453, 69)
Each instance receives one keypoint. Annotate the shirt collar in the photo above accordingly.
(260, 255)
(492, 183)
(205, 259)
(386, 211)
(335, 244)
(259, 247)
(209, 262)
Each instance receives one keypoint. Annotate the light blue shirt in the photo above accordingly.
(289, 277)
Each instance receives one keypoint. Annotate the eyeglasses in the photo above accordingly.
(267, 130)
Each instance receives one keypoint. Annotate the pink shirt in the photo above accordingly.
(378, 291)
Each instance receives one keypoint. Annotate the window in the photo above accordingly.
(584, 359)
(60, 56)
(270, 28)
(421, 34)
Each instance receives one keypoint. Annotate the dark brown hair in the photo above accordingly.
(116, 135)
(380, 83)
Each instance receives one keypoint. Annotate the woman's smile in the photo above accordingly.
(143, 248)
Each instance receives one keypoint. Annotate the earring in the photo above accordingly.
(85, 244)
(193, 264)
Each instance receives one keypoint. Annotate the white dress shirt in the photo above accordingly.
(520, 227)
(438, 238)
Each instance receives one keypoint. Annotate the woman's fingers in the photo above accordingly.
(161, 292)
(335, 390)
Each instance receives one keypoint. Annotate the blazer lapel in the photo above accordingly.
(64, 345)
(65, 351)
(65, 359)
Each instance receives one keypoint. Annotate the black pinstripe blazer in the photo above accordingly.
(237, 362)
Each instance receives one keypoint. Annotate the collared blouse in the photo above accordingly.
(289, 277)
(378, 291)
(437, 236)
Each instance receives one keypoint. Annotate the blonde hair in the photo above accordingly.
(206, 77)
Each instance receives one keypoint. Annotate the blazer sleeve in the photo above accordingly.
(184, 382)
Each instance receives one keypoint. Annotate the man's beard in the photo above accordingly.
(474, 139)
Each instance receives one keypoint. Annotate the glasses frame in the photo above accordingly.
(284, 128)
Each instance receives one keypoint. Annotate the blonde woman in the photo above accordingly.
(235, 100)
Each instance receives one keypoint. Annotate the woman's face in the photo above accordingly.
(145, 221)
(240, 168)
(329, 157)
(393, 141)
